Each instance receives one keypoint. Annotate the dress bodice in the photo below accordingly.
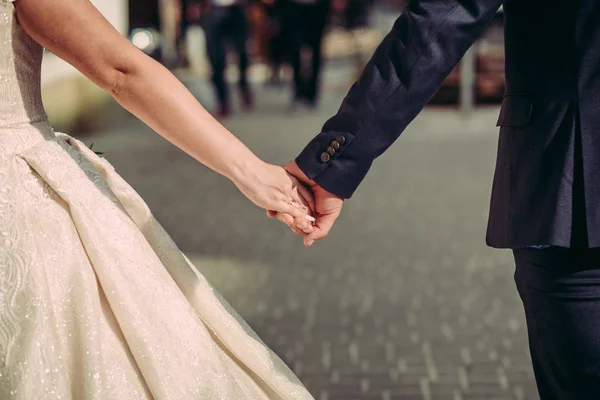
(20, 71)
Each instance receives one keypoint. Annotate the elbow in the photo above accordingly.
(112, 77)
(124, 77)
(113, 81)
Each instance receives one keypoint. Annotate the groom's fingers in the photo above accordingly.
(311, 238)
(323, 226)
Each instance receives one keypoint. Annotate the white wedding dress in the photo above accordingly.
(96, 301)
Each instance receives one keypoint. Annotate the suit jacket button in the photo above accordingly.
(325, 157)
(335, 144)
(330, 150)
(341, 139)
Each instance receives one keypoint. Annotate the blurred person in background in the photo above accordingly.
(97, 302)
(226, 24)
(545, 202)
(305, 22)
(191, 12)
(277, 42)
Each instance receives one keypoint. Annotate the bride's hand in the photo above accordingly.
(273, 189)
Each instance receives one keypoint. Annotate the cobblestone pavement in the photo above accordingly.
(402, 301)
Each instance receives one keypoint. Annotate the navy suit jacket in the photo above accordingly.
(546, 187)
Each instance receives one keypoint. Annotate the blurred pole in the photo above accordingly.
(467, 81)
(169, 17)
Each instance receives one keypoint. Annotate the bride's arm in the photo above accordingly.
(78, 33)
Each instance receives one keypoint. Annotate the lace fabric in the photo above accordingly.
(96, 301)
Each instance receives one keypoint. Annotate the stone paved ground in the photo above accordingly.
(402, 301)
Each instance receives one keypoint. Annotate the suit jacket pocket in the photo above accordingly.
(516, 111)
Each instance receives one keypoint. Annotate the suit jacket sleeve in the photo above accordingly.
(410, 64)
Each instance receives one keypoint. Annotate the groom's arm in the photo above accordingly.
(410, 64)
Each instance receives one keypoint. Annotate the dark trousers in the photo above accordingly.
(277, 41)
(305, 25)
(560, 289)
(226, 25)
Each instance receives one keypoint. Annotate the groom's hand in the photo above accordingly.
(327, 206)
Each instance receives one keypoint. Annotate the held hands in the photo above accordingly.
(326, 207)
(272, 188)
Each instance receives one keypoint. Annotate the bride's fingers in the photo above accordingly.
(304, 226)
(289, 221)
(303, 223)
(294, 207)
(307, 196)
(301, 226)
(296, 224)
(296, 216)
(298, 231)
(306, 223)
(286, 219)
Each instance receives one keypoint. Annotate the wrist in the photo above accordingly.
(293, 169)
(244, 169)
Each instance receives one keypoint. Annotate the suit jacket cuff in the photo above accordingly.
(338, 175)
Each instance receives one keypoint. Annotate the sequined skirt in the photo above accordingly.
(97, 302)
